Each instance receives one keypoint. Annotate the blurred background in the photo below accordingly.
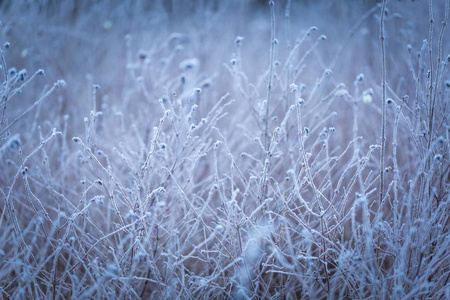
(84, 41)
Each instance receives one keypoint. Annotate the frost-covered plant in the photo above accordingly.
(188, 156)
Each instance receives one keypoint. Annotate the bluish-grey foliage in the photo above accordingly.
(175, 149)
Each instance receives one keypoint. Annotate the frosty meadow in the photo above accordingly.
(176, 149)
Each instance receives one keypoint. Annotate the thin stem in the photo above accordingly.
(437, 81)
(383, 114)
(383, 101)
(269, 85)
(430, 93)
(36, 103)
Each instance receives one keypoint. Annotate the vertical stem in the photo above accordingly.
(287, 14)
(438, 70)
(269, 85)
(383, 114)
(430, 93)
(267, 155)
(383, 101)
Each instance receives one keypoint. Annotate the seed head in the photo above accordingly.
(367, 96)
(23, 75)
(293, 87)
(189, 64)
(142, 54)
(238, 41)
(438, 157)
(60, 84)
(360, 78)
